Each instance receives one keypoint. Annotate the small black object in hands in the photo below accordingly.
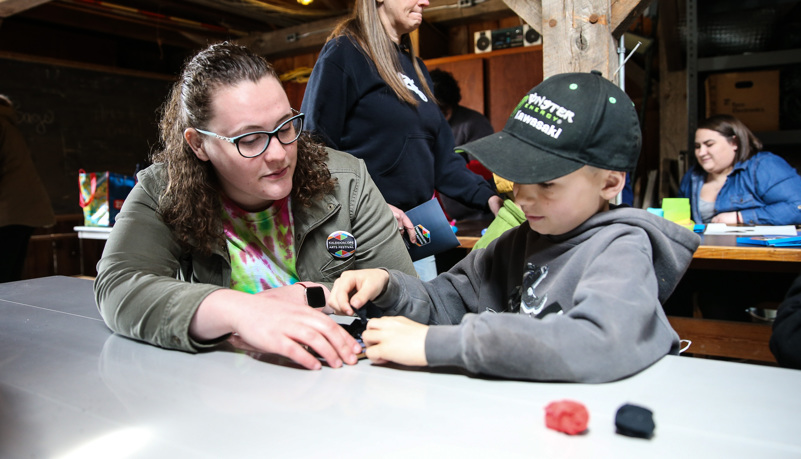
(315, 297)
(361, 313)
(365, 313)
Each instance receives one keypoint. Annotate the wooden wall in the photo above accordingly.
(493, 83)
(82, 117)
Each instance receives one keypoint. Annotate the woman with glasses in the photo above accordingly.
(369, 95)
(238, 207)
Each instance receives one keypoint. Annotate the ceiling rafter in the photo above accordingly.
(9, 8)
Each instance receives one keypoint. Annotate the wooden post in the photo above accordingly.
(579, 35)
(673, 132)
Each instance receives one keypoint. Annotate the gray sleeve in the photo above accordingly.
(441, 301)
(614, 328)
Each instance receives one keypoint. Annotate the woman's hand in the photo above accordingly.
(726, 217)
(266, 323)
(396, 339)
(355, 288)
(404, 224)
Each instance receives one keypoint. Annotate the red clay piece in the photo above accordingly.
(566, 416)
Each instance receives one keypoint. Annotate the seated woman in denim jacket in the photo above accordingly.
(735, 182)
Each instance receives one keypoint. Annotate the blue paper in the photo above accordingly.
(433, 230)
(771, 241)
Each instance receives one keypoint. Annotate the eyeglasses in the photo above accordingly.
(253, 144)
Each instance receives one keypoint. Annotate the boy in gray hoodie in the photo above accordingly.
(573, 294)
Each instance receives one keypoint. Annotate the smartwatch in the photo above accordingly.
(315, 296)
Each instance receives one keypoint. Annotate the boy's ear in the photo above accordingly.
(613, 183)
(192, 137)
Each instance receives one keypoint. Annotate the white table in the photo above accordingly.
(93, 232)
(100, 233)
(68, 385)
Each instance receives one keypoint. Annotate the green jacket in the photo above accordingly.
(148, 288)
(510, 216)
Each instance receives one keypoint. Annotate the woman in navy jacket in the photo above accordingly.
(734, 182)
(370, 96)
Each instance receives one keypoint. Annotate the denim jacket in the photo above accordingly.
(765, 189)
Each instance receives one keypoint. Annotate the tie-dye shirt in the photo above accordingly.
(261, 245)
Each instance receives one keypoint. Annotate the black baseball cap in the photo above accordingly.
(567, 121)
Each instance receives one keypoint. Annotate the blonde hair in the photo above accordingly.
(366, 31)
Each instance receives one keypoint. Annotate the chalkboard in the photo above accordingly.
(79, 118)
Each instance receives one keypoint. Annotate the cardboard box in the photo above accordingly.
(753, 97)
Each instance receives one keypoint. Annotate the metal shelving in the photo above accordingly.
(749, 61)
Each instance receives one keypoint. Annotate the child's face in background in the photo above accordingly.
(561, 205)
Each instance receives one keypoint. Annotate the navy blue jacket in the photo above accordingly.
(408, 150)
(765, 189)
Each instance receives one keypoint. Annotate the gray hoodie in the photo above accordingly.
(590, 310)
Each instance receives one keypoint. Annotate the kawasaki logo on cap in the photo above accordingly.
(548, 109)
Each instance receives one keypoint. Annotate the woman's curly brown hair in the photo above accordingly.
(190, 204)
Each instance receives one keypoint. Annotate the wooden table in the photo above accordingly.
(469, 232)
(713, 250)
(723, 252)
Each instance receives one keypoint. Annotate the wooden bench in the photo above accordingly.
(721, 338)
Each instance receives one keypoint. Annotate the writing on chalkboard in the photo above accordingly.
(38, 120)
(78, 118)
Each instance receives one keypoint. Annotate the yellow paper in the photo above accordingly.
(676, 209)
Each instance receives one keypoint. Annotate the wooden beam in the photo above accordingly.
(528, 10)
(669, 30)
(312, 35)
(11, 7)
(673, 130)
(625, 11)
(445, 11)
(577, 37)
(272, 17)
(138, 28)
(291, 40)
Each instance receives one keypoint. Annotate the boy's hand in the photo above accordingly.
(355, 288)
(396, 339)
